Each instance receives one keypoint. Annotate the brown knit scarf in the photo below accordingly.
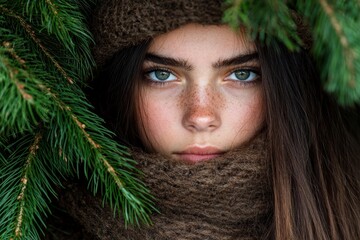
(224, 198)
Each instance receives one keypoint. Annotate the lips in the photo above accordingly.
(197, 154)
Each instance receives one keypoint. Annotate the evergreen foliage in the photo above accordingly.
(48, 131)
(334, 25)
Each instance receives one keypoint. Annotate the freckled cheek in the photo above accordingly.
(256, 104)
(156, 116)
(257, 112)
(247, 112)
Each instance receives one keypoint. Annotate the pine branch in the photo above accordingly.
(22, 103)
(336, 46)
(25, 187)
(74, 140)
(58, 30)
(334, 26)
(24, 180)
(264, 20)
(108, 163)
(27, 27)
(348, 53)
(64, 20)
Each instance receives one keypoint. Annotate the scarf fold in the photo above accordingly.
(225, 198)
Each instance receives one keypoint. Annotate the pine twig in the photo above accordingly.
(22, 103)
(27, 177)
(33, 148)
(65, 22)
(26, 96)
(33, 36)
(11, 50)
(349, 55)
(335, 46)
(106, 159)
(75, 136)
(52, 7)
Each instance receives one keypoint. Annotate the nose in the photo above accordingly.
(201, 111)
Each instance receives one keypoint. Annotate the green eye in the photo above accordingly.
(243, 75)
(161, 75)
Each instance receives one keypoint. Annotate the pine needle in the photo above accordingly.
(334, 26)
(41, 44)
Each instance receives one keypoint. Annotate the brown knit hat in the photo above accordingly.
(123, 23)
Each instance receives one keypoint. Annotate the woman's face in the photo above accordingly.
(201, 93)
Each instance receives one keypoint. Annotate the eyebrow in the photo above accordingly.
(239, 59)
(168, 61)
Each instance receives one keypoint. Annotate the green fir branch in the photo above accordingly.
(30, 31)
(36, 56)
(337, 46)
(263, 20)
(80, 134)
(64, 20)
(22, 102)
(58, 30)
(25, 187)
(334, 27)
(348, 53)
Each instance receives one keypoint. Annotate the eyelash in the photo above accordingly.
(157, 82)
(254, 70)
(242, 83)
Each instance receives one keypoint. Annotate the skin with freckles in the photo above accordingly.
(201, 93)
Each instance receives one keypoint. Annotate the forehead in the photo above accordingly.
(193, 40)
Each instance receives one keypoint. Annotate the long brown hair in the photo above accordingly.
(113, 92)
(315, 181)
(315, 178)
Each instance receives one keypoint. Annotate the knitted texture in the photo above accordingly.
(224, 198)
(124, 23)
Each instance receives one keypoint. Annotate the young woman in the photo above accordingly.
(236, 140)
